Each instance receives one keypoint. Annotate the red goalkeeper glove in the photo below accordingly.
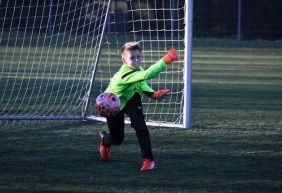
(172, 55)
(160, 94)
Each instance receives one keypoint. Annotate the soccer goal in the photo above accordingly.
(57, 56)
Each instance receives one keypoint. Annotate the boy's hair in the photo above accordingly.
(130, 46)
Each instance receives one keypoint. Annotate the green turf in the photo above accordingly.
(234, 144)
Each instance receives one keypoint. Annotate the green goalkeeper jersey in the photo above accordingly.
(127, 81)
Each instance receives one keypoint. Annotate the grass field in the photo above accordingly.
(234, 144)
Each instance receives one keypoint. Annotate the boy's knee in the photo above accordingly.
(142, 132)
(140, 128)
(138, 122)
(117, 141)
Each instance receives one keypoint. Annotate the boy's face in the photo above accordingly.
(132, 58)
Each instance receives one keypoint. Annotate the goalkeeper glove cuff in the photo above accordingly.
(160, 94)
(171, 56)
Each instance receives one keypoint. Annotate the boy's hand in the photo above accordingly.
(160, 94)
(172, 55)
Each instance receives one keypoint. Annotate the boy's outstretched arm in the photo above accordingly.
(155, 69)
(171, 56)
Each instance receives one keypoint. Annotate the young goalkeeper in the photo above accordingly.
(127, 83)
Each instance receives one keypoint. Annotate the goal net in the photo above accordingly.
(57, 56)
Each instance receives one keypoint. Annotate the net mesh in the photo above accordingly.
(48, 51)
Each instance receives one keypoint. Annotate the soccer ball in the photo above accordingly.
(107, 104)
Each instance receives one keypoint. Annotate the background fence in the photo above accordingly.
(250, 19)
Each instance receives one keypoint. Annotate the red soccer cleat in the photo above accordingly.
(148, 165)
(105, 152)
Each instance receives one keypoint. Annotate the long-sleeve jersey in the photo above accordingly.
(127, 81)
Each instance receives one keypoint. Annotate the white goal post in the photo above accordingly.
(57, 56)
